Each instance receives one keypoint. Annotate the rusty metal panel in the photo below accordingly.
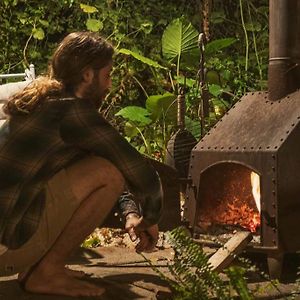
(288, 192)
(254, 124)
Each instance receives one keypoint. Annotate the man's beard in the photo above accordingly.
(94, 93)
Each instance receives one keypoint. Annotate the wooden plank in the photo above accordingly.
(226, 254)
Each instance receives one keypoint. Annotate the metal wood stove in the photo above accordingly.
(257, 141)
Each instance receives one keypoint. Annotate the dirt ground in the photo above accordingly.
(126, 275)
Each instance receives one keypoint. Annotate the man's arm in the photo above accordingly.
(127, 205)
(86, 129)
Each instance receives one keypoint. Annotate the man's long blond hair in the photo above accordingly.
(76, 52)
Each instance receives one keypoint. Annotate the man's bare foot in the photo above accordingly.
(70, 272)
(75, 273)
(59, 282)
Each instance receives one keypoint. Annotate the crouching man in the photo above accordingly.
(63, 167)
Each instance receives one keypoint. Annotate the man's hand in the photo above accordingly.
(137, 228)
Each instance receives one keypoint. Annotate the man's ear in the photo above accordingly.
(88, 75)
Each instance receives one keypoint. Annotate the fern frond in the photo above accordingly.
(192, 275)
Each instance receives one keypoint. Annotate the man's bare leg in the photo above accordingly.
(99, 184)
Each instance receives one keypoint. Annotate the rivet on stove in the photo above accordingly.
(288, 132)
(273, 192)
(208, 147)
(273, 169)
(236, 148)
(229, 148)
(274, 230)
(275, 147)
(191, 167)
(281, 140)
(274, 242)
(268, 147)
(293, 124)
(273, 180)
(244, 148)
(259, 147)
(216, 147)
(273, 156)
(252, 148)
(222, 148)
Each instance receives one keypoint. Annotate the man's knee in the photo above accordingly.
(112, 176)
(92, 173)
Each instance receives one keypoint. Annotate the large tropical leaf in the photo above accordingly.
(179, 37)
(164, 105)
(217, 45)
(135, 114)
(141, 58)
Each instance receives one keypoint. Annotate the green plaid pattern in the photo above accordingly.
(34, 147)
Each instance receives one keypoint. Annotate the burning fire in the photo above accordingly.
(255, 189)
(238, 203)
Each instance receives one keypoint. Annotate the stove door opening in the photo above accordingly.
(228, 198)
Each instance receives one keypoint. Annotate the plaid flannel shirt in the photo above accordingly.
(34, 147)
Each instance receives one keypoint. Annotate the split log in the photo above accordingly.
(226, 254)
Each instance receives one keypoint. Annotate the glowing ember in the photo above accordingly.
(233, 199)
(234, 213)
(255, 222)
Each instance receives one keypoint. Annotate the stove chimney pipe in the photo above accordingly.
(284, 44)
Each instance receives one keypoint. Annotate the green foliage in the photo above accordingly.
(94, 25)
(152, 124)
(217, 45)
(179, 38)
(135, 114)
(162, 106)
(237, 281)
(157, 52)
(141, 58)
(191, 276)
